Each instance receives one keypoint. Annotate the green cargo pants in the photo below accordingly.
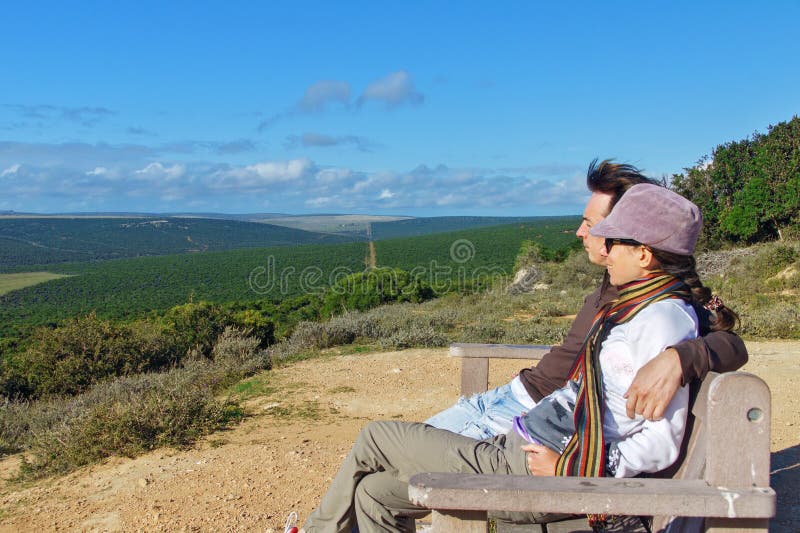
(370, 491)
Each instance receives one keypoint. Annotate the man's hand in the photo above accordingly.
(654, 386)
(541, 459)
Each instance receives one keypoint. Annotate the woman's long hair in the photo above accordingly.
(683, 267)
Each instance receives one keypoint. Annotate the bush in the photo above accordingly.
(426, 337)
(197, 325)
(126, 416)
(576, 272)
(235, 350)
(778, 320)
(71, 358)
(374, 287)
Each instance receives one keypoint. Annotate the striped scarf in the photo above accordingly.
(585, 455)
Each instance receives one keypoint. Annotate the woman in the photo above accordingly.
(580, 429)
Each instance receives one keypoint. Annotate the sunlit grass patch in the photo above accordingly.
(252, 387)
(13, 282)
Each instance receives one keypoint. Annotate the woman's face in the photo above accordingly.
(626, 262)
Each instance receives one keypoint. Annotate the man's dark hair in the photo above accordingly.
(614, 178)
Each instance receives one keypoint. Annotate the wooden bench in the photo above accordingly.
(720, 482)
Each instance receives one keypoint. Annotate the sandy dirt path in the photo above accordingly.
(283, 456)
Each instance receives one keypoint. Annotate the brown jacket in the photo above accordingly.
(720, 351)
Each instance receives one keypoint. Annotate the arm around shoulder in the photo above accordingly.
(718, 351)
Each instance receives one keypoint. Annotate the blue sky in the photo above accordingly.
(374, 107)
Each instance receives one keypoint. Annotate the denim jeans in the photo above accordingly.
(481, 416)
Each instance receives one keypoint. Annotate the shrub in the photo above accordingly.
(425, 336)
(196, 326)
(234, 349)
(576, 272)
(125, 416)
(71, 358)
(374, 287)
(255, 323)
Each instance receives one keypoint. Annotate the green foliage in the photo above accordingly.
(135, 288)
(374, 287)
(256, 323)
(132, 288)
(71, 358)
(197, 325)
(749, 190)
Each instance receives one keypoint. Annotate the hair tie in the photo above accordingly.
(714, 303)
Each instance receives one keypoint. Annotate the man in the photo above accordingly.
(491, 413)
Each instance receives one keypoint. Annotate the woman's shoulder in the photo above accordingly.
(672, 313)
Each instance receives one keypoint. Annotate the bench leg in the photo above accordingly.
(459, 521)
(474, 376)
(737, 525)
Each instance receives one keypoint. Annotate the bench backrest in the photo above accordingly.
(727, 437)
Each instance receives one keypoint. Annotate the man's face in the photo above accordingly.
(597, 208)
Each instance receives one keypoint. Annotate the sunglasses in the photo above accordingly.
(627, 242)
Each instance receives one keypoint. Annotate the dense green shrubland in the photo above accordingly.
(135, 288)
(748, 190)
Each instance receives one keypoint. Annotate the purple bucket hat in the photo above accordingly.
(654, 216)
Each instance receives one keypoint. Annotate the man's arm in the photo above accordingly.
(656, 382)
(553, 369)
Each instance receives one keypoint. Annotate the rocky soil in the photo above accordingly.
(282, 457)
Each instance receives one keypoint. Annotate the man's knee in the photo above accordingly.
(380, 498)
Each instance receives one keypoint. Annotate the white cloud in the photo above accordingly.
(10, 170)
(130, 178)
(277, 171)
(394, 89)
(98, 171)
(156, 171)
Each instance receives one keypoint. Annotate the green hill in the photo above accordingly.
(43, 241)
(133, 287)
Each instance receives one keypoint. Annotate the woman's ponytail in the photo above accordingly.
(683, 267)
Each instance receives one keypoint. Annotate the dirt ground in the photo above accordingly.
(283, 456)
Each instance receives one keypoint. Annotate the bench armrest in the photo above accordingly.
(475, 362)
(498, 351)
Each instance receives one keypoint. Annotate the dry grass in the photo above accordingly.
(13, 282)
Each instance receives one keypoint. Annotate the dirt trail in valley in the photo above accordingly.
(283, 456)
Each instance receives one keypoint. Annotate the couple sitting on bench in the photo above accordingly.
(645, 318)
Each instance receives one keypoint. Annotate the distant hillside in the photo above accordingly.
(133, 287)
(343, 224)
(413, 227)
(43, 241)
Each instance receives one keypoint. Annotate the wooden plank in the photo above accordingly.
(738, 425)
(588, 495)
(459, 522)
(474, 376)
(499, 351)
